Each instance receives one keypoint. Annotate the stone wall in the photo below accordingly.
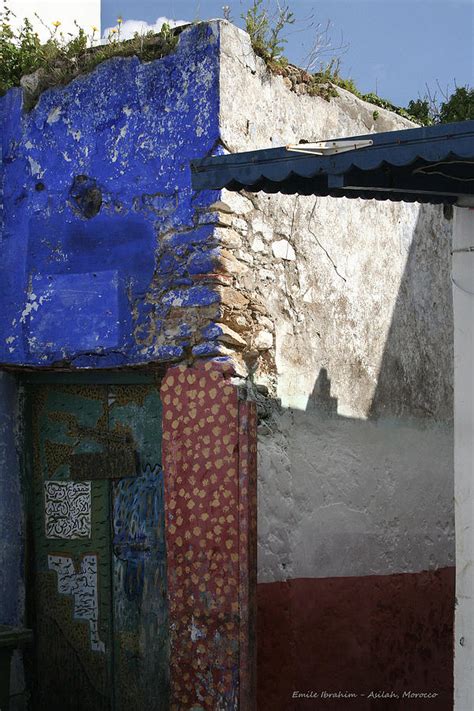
(349, 326)
(101, 231)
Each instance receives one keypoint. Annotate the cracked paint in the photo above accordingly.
(100, 216)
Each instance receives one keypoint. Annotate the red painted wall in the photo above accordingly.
(209, 462)
(389, 633)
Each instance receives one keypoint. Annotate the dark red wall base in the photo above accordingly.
(387, 634)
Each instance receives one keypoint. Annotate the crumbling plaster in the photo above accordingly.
(101, 232)
(354, 343)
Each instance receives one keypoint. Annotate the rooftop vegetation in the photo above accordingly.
(35, 65)
(63, 57)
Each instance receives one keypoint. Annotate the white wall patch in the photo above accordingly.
(67, 509)
(83, 587)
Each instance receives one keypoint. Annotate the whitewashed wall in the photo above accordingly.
(463, 295)
(356, 466)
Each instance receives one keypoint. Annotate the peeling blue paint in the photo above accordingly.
(102, 236)
(208, 348)
(211, 331)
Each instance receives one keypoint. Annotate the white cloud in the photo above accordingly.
(129, 27)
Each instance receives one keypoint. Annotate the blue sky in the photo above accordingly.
(394, 46)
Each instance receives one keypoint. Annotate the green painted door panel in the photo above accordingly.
(139, 561)
(99, 555)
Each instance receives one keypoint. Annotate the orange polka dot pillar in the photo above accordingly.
(209, 460)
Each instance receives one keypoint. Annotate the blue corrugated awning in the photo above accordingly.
(431, 164)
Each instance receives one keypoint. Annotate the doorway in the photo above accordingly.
(97, 555)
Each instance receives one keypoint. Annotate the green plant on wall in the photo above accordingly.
(20, 51)
(58, 60)
(266, 31)
(420, 111)
(322, 83)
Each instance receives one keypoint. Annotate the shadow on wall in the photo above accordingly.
(416, 373)
(357, 591)
(321, 397)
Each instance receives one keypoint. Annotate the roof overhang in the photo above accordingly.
(433, 164)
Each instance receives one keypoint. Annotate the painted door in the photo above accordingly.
(99, 561)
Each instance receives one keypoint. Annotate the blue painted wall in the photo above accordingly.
(103, 245)
(11, 521)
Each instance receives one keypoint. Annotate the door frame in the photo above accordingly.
(25, 418)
